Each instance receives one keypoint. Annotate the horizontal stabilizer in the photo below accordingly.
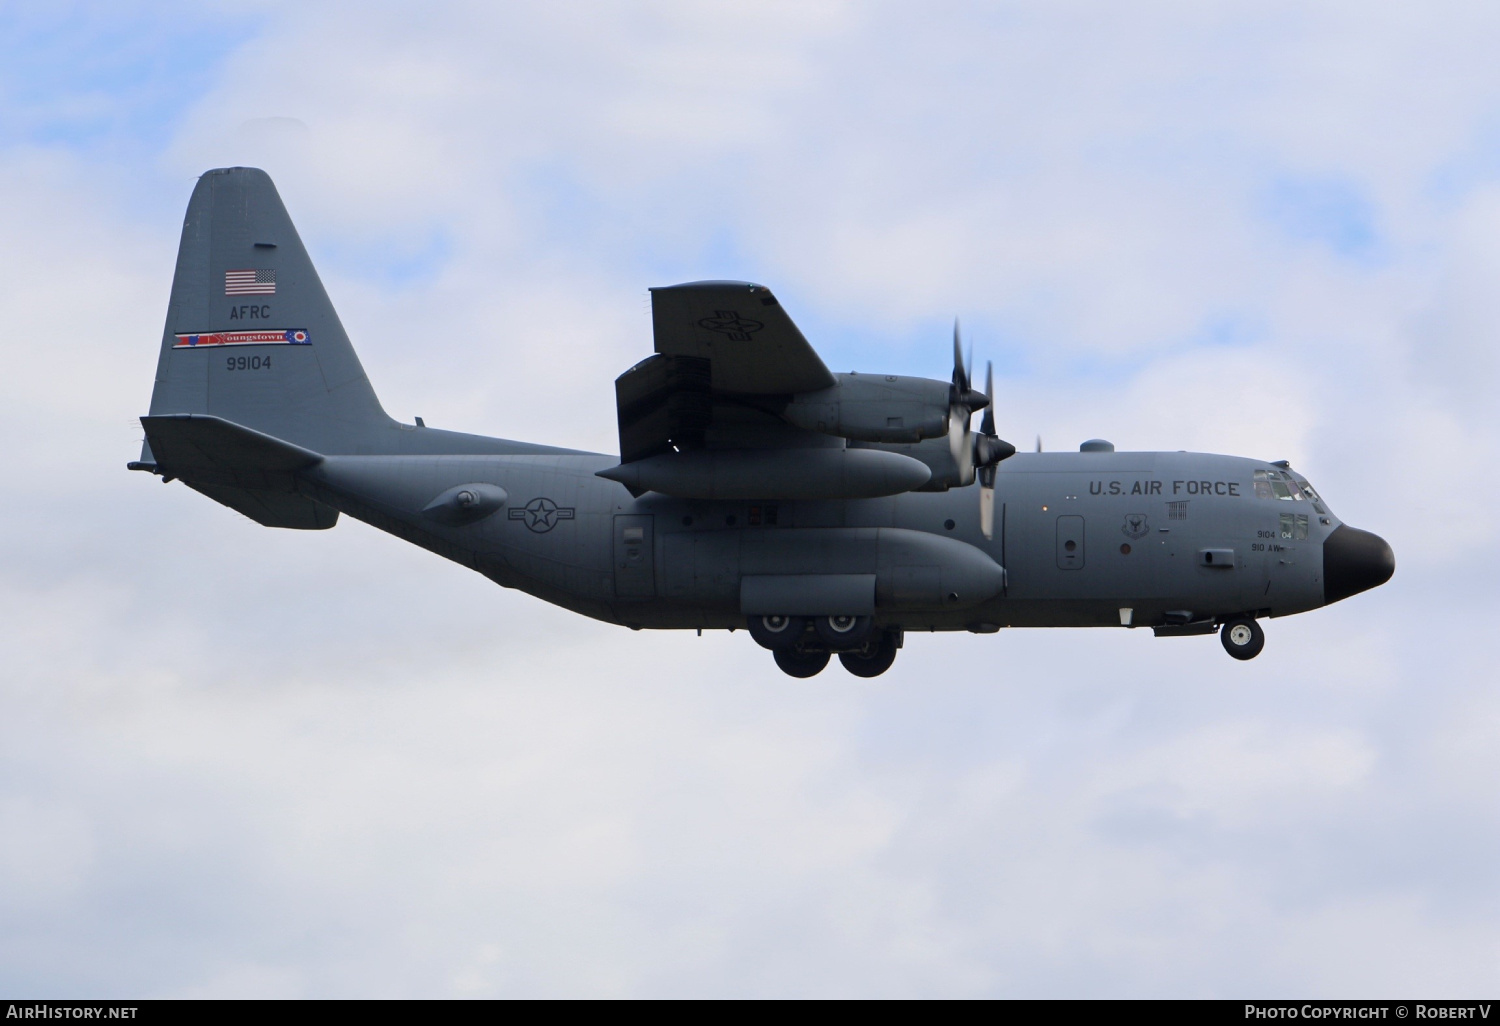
(244, 469)
(272, 509)
(186, 444)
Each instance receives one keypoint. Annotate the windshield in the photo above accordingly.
(1313, 497)
(1278, 484)
(1273, 484)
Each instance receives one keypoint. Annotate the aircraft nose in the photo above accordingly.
(1354, 561)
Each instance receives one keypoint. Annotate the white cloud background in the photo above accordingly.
(236, 761)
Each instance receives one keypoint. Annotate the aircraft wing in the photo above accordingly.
(727, 355)
(751, 344)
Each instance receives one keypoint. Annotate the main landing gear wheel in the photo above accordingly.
(777, 632)
(1242, 637)
(800, 664)
(844, 633)
(875, 658)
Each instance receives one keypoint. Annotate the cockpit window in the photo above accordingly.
(1263, 484)
(1273, 484)
(1313, 497)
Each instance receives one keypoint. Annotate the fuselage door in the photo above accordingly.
(635, 562)
(1070, 543)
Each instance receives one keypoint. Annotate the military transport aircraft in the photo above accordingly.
(826, 513)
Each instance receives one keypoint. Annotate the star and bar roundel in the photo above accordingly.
(541, 514)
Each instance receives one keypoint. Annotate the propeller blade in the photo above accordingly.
(989, 450)
(962, 402)
(960, 372)
(961, 444)
(987, 500)
(987, 422)
(958, 436)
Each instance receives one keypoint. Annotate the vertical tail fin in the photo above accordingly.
(251, 335)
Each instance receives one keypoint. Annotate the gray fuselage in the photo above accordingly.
(1170, 536)
(826, 513)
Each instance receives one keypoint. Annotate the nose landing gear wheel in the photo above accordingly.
(800, 664)
(777, 631)
(875, 658)
(1242, 637)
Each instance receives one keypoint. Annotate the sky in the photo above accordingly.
(237, 761)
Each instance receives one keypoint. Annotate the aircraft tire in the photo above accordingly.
(844, 633)
(1242, 637)
(800, 664)
(873, 660)
(777, 632)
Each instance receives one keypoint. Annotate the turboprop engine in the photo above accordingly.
(874, 408)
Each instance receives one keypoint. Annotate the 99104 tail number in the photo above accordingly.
(239, 363)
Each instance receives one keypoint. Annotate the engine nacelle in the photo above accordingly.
(832, 473)
(874, 408)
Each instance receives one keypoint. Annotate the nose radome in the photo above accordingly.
(1354, 561)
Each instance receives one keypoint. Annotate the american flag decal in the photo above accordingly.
(254, 282)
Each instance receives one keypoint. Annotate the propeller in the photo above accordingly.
(989, 450)
(963, 401)
(975, 455)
